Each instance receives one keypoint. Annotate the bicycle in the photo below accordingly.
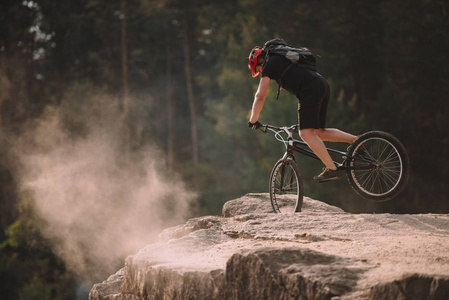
(376, 164)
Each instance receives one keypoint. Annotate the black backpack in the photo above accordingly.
(302, 57)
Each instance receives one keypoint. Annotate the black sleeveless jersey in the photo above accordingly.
(294, 79)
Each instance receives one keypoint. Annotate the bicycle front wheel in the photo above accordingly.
(286, 187)
(391, 168)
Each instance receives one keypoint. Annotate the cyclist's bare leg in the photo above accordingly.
(316, 144)
(335, 135)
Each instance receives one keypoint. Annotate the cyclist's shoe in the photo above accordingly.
(328, 175)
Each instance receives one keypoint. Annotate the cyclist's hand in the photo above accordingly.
(256, 125)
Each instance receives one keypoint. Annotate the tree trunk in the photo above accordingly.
(124, 105)
(188, 71)
(365, 63)
(171, 113)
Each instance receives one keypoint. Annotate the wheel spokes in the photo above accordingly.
(285, 189)
(388, 171)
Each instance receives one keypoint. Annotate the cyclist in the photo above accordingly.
(312, 91)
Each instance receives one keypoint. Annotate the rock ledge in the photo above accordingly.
(321, 253)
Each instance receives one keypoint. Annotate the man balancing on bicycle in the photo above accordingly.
(312, 91)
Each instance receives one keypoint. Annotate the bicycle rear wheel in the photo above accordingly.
(392, 167)
(286, 187)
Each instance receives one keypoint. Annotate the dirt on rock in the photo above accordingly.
(320, 253)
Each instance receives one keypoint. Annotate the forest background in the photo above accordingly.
(171, 76)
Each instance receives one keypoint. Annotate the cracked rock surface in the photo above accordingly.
(320, 253)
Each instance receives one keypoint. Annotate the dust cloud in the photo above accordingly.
(100, 200)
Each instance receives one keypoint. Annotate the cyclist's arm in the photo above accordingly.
(259, 98)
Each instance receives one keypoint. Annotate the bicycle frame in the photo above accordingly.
(292, 145)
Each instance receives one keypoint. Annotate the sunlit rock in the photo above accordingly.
(320, 253)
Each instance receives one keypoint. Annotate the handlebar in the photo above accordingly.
(286, 129)
(278, 132)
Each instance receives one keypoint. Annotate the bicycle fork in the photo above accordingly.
(288, 155)
(281, 187)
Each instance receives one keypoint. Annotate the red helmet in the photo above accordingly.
(252, 60)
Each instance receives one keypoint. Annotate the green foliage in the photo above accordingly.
(28, 268)
(35, 290)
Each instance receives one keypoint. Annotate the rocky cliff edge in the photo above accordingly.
(320, 253)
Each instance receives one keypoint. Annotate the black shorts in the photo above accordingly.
(313, 100)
